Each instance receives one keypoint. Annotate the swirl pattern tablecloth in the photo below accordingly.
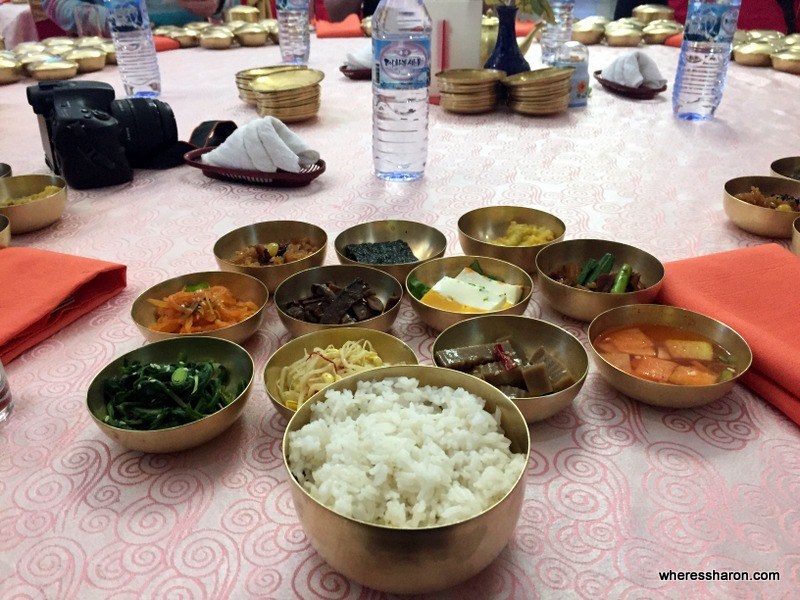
(616, 491)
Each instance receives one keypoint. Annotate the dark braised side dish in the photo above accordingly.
(330, 304)
(381, 253)
(508, 369)
(597, 276)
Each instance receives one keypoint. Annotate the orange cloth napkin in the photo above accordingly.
(755, 291)
(675, 41)
(523, 29)
(34, 283)
(350, 27)
(163, 43)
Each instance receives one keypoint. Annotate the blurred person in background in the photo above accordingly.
(88, 17)
(338, 10)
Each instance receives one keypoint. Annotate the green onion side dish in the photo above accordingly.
(157, 396)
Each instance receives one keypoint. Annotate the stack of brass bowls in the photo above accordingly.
(244, 78)
(588, 32)
(288, 95)
(624, 32)
(764, 48)
(469, 90)
(540, 92)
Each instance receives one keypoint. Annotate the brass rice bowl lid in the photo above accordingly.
(594, 20)
(30, 58)
(544, 77)
(588, 26)
(60, 49)
(198, 25)
(94, 40)
(29, 47)
(764, 34)
(668, 24)
(53, 69)
(470, 76)
(792, 39)
(629, 22)
(60, 41)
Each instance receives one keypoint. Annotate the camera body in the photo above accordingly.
(93, 140)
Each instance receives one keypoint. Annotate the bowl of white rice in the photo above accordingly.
(408, 479)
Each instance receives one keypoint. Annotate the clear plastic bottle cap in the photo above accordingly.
(573, 52)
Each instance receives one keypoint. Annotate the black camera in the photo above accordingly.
(92, 140)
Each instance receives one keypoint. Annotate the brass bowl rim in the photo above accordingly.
(558, 237)
(62, 187)
(231, 233)
(363, 331)
(437, 234)
(776, 178)
(590, 336)
(578, 381)
(524, 299)
(320, 396)
(593, 293)
(143, 297)
(282, 313)
(237, 349)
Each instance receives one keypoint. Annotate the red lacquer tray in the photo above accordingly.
(356, 73)
(638, 93)
(277, 179)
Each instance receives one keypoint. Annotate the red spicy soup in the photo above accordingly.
(666, 354)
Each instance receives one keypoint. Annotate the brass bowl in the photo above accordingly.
(366, 26)
(527, 334)
(795, 236)
(585, 305)
(252, 35)
(623, 37)
(5, 170)
(477, 227)
(11, 70)
(426, 243)
(762, 221)
(242, 286)
(788, 167)
(111, 53)
(264, 233)
(753, 54)
(787, 61)
(88, 59)
(666, 394)
(53, 69)
(247, 14)
(432, 271)
(589, 34)
(413, 561)
(657, 35)
(216, 40)
(5, 232)
(39, 213)
(90, 41)
(187, 38)
(653, 12)
(392, 351)
(299, 286)
(183, 437)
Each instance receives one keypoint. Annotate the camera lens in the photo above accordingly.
(148, 127)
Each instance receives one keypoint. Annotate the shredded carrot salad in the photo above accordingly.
(201, 310)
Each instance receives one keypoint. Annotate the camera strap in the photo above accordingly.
(211, 133)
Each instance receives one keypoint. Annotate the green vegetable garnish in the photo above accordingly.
(196, 288)
(476, 266)
(417, 288)
(603, 266)
(587, 268)
(156, 396)
(726, 375)
(622, 279)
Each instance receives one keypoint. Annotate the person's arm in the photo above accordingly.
(339, 9)
(77, 16)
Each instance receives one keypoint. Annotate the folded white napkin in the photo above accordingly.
(634, 69)
(361, 59)
(264, 144)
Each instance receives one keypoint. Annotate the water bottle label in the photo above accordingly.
(291, 4)
(403, 65)
(711, 23)
(126, 16)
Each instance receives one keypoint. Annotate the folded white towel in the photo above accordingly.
(361, 59)
(264, 144)
(634, 69)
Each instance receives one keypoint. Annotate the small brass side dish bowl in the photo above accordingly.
(5, 232)
(35, 215)
(88, 59)
(527, 335)
(271, 232)
(795, 236)
(299, 286)
(666, 394)
(585, 305)
(11, 70)
(174, 439)
(788, 167)
(432, 271)
(477, 229)
(242, 286)
(753, 54)
(426, 243)
(405, 560)
(759, 220)
(392, 351)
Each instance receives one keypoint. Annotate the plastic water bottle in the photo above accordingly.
(555, 34)
(401, 51)
(133, 41)
(293, 30)
(576, 56)
(705, 55)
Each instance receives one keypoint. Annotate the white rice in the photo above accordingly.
(400, 454)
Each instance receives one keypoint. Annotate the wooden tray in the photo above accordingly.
(638, 93)
(278, 179)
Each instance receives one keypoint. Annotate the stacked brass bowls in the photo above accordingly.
(539, 92)
(243, 79)
(288, 95)
(469, 90)
(173, 439)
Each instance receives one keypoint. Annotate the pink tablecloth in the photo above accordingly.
(617, 491)
(16, 24)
